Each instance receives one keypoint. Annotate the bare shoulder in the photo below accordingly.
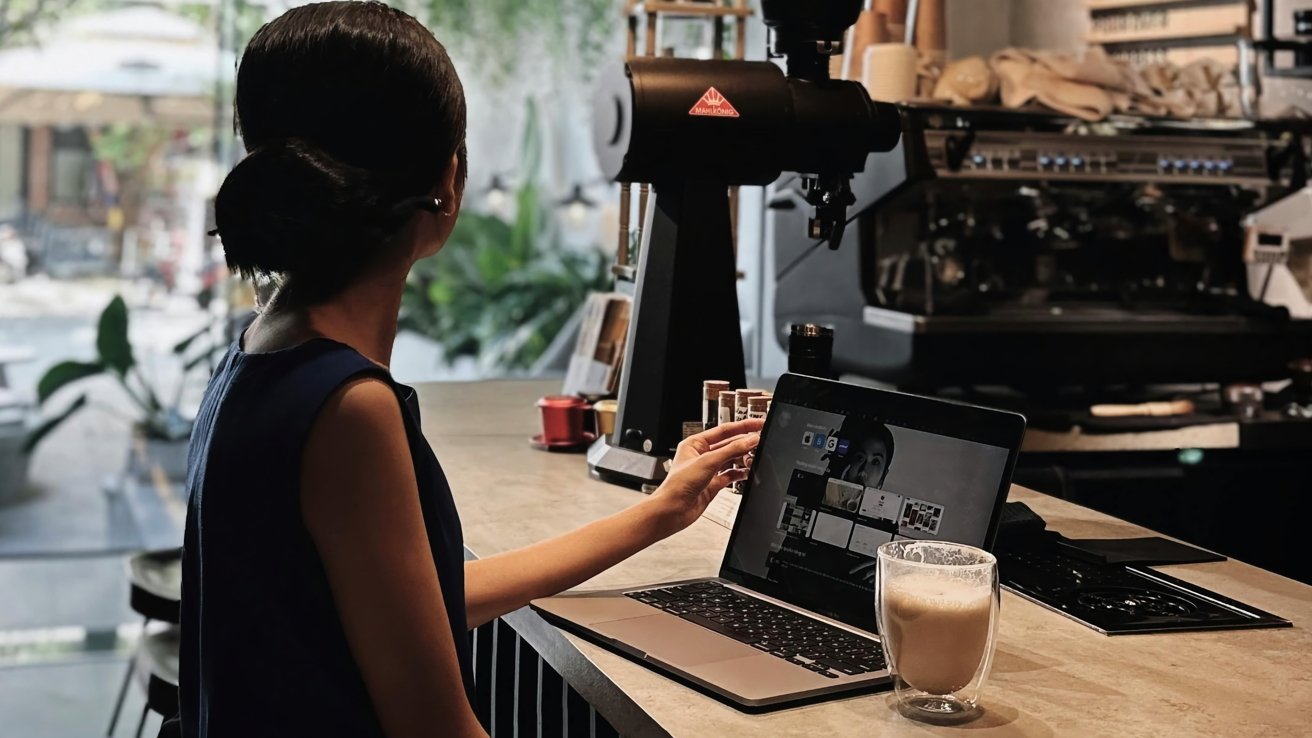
(356, 448)
(365, 404)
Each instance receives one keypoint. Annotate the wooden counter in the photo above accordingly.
(1051, 676)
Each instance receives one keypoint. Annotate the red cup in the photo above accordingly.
(564, 418)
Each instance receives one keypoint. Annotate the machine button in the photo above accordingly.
(1179, 165)
(1045, 160)
(979, 160)
(1163, 164)
(1077, 161)
(1060, 160)
(1225, 165)
(1195, 165)
(1209, 165)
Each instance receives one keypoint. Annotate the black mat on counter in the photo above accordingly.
(1106, 585)
(1151, 551)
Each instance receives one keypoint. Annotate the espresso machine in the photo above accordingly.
(1034, 262)
(1033, 251)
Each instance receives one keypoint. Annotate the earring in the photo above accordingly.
(437, 204)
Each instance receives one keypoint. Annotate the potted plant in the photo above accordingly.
(501, 290)
(160, 428)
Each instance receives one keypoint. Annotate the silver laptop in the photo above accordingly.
(790, 619)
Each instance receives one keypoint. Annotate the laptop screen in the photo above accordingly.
(829, 487)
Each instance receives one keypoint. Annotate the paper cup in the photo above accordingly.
(606, 410)
(889, 72)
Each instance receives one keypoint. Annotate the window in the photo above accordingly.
(72, 167)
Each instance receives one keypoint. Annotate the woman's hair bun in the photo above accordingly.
(290, 208)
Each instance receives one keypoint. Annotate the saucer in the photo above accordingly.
(563, 446)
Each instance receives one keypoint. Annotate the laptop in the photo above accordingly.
(840, 470)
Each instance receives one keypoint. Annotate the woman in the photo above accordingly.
(324, 592)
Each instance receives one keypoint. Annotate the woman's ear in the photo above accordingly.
(452, 186)
(433, 230)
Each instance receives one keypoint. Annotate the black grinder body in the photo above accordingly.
(647, 131)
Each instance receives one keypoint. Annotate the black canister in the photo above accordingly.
(811, 350)
(1303, 30)
(1300, 371)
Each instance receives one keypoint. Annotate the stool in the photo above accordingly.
(155, 593)
(157, 673)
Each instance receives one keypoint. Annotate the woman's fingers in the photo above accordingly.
(736, 474)
(726, 478)
(727, 453)
(720, 433)
(723, 443)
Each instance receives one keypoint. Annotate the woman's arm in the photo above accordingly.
(702, 466)
(360, 502)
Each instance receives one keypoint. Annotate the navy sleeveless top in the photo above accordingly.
(263, 650)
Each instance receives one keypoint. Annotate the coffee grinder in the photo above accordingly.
(692, 129)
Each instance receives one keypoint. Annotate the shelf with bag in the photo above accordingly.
(1123, 4)
(1169, 22)
(1225, 54)
(692, 9)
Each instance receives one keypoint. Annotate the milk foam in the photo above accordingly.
(937, 629)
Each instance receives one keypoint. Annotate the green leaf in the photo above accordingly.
(149, 400)
(201, 358)
(112, 337)
(65, 373)
(50, 424)
(530, 152)
(529, 224)
(184, 344)
(440, 293)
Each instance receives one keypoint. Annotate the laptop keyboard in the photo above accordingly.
(797, 639)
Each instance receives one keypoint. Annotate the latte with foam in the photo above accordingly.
(936, 630)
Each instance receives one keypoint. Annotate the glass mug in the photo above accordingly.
(937, 608)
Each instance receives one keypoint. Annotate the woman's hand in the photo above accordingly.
(703, 465)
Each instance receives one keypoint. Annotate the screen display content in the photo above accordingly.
(828, 489)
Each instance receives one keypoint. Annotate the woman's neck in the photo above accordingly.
(362, 316)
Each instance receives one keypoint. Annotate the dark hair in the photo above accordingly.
(351, 112)
(885, 436)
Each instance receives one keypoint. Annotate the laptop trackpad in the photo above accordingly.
(674, 641)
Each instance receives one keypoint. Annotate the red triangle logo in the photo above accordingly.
(714, 104)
